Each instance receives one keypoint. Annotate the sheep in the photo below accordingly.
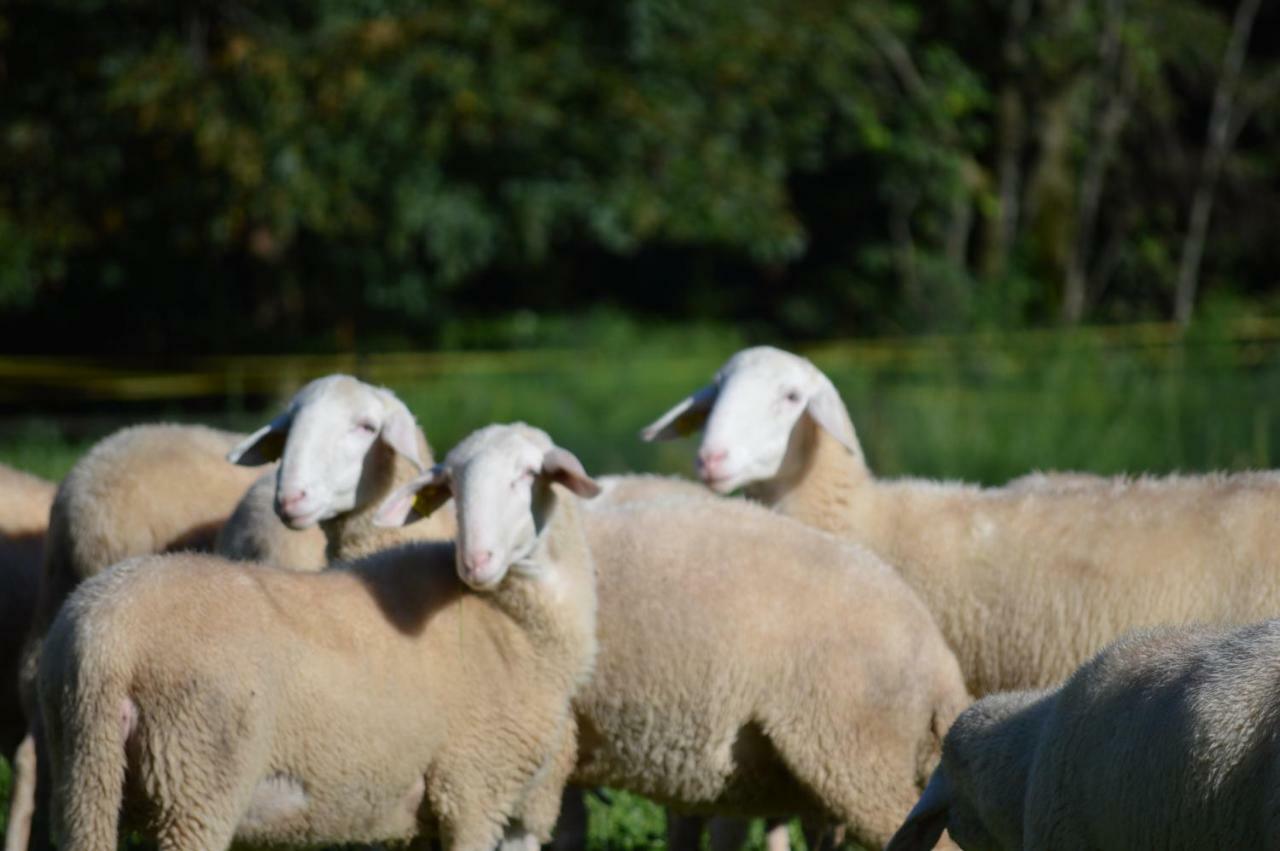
(253, 532)
(1166, 739)
(1026, 582)
(143, 489)
(24, 520)
(751, 666)
(415, 691)
(343, 446)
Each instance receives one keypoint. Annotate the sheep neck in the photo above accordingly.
(353, 534)
(555, 602)
(820, 480)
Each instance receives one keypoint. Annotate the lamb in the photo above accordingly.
(749, 665)
(144, 489)
(414, 691)
(343, 447)
(1026, 582)
(24, 520)
(253, 532)
(1166, 740)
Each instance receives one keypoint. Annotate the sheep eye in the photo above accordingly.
(367, 426)
(793, 396)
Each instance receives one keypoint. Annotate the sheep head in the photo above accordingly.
(749, 415)
(499, 478)
(325, 441)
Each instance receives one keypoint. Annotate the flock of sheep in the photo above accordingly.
(357, 644)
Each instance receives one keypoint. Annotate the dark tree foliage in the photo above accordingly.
(217, 176)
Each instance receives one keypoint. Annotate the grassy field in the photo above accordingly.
(981, 410)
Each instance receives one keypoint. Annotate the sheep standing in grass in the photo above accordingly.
(1026, 581)
(144, 489)
(1168, 739)
(751, 666)
(413, 691)
(24, 520)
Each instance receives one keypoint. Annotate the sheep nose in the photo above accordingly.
(710, 459)
(477, 560)
(291, 500)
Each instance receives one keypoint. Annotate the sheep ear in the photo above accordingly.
(685, 418)
(264, 445)
(926, 821)
(561, 466)
(415, 500)
(828, 411)
(400, 430)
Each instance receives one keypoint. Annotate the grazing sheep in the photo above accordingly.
(253, 532)
(373, 701)
(1026, 581)
(343, 446)
(144, 489)
(24, 520)
(1168, 739)
(752, 666)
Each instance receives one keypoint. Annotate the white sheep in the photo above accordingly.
(253, 532)
(343, 447)
(24, 521)
(143, 489)
(1026, 581)
(1168, 739)
(373, 701)
(748, 665)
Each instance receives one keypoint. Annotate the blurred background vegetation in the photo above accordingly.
(199, 176)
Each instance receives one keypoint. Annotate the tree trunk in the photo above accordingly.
(1011, 132)
(1216, 148)
(1114, 85)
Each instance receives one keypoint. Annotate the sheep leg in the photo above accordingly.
(571, 829)
(727, 834)
(777, 835)
(684, 833)
(22, 800)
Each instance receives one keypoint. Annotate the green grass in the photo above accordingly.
(960, 409)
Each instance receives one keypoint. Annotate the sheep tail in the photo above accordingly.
(82, 693)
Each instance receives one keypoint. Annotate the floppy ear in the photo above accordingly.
(685, 418)
(400, 429)
(415, 500)
(264, 445)
(830, 414)
(927, 819)
(560, 465)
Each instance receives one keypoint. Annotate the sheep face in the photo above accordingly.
(977, 793)
(325, 441)
(750, 414)
(499, 479)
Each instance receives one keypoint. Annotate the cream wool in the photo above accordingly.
(1026, 581)
(1166, 740)
(253, 532)
(144, 489)
(372, 701)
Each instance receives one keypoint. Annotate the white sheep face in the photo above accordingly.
(324, 440)
(749, 414)
(498, 478)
